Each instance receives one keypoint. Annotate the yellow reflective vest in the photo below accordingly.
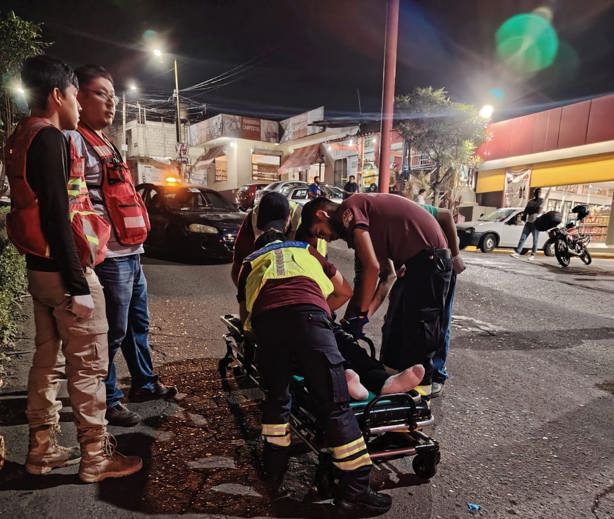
(295, 221)
(281, 260)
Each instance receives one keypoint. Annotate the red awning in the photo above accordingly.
(302, 157)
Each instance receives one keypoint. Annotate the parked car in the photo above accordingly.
(300, 195)
(246, 195)
(190, 221)
(501, 228)
(284, 187)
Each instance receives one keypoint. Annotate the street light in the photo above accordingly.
(158, 54)
(486, 111)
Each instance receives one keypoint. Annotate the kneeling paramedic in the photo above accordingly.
(287, 291)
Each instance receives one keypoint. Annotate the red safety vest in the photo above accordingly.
(23, 224)
(123, 204)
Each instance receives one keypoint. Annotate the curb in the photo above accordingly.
(594, 254)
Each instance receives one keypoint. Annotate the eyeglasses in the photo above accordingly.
(103, 95)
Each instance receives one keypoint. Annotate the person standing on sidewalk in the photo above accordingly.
(53, 223)
(531, 212)
(125, 288)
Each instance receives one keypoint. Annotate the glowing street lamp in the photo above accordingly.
(132, 87)
(486, 111)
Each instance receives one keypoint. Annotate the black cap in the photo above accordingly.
(273, 212)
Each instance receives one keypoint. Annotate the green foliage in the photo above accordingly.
(446, 131)
(12, 287)
(19, 40)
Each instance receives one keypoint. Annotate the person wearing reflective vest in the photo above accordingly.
(250, 230)
(287, 292)
(114, 196)
(53, 223)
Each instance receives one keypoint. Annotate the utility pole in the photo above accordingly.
(124, 146)
(387, 112)
(177, 122)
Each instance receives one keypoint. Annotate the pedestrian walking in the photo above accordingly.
(113, 195)
(389, 232)
(287, 291)
(531, 212)
(53, 223)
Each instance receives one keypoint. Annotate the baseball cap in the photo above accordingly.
(273, 212)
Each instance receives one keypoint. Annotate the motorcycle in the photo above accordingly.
(570, 241)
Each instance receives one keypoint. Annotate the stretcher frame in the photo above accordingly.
(391, 424)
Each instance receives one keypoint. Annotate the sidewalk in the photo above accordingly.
(604, 252)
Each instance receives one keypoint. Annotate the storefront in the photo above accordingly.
(567, 151)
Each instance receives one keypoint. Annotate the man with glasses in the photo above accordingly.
(125, 288)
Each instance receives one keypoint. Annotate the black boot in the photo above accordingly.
(369, 504)
(274, 487)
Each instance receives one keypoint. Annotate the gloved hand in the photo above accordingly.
(82, 306)
(354, 325)
(458, 265)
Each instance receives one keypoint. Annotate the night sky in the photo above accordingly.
(287, 56)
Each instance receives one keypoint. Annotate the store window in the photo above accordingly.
(221, 169)
(597, 196)
(265, 167)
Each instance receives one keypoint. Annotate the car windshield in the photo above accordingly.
(192, 198)
(332, 191)
(289, 187)
(497, 216)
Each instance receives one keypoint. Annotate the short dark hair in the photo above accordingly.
(537, 191)
(41, 74)
(421, 191)
(87, 74)
(269, 236)
(308, 213)
(352, 176)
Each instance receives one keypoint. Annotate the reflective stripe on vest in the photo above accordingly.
(282, 260)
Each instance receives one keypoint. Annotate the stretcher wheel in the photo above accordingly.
(425, 466)
(325, 479)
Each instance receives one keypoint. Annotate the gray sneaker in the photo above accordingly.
(515, 255)
(436, 389)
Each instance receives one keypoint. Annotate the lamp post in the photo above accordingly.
(133, 88)
(158, 54)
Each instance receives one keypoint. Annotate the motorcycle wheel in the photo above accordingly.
(586, 257)
(549, 247)
(561, 252)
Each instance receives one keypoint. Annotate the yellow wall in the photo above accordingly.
(583, 170)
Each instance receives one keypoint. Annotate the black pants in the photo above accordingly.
(301, 337)
(371, 371)
(412, 328)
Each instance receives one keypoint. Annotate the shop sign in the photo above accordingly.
(300, 125)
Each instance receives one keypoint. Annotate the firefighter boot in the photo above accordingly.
(100, 460)
(45, 454)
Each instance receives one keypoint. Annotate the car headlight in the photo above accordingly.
(202, 229)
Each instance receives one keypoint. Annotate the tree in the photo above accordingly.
(19, 40)
(446, 131)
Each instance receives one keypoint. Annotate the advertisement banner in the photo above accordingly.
(225, 125)
(300, 125)
(516, 190)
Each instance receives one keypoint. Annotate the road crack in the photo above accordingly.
(598, 498)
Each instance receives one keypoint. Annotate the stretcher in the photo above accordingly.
(391, 424)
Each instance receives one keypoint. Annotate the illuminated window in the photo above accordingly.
(221, 169)
(265, 168)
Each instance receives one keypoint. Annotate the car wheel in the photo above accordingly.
(488, 243)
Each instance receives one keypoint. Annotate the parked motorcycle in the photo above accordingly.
(570, 241)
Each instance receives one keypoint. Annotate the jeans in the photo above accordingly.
(125, 291)
(528, 229)
(440, 374)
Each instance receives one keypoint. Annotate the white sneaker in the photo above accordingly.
(515, 255)
(531, 257)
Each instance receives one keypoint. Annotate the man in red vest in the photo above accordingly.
(114, 197)
(52, 222)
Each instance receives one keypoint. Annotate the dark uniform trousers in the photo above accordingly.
(412, 328)
(300, 338)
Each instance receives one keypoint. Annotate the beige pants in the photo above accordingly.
(84, 345)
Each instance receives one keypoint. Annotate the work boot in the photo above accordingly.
(45, 454)
(159, 392)
(121, 416)
(100, 460)
(369, 504)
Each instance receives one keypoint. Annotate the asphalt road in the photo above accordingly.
(526, 423)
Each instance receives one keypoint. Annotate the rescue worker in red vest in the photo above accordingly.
(125, 288)
(250, 230)
(53, 223)
(287, 292)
